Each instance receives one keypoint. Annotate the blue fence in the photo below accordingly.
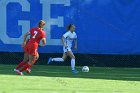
(102, 26)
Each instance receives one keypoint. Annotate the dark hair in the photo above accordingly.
(40, 23)
(69, 26)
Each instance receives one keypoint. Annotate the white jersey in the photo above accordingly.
(69, 37)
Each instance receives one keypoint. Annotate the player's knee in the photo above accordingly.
(25, 60)
(63, 59)
(32, 62)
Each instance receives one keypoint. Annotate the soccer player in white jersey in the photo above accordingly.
(67, 40)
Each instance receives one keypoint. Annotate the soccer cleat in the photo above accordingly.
(20, 73)
(16, 70)
(28, 71)
(75, 71)
(50, 60)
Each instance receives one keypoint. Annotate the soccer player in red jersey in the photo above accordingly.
(37, 34)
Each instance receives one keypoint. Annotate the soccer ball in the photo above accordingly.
(85, 69)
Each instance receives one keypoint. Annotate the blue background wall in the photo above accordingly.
(102, 26)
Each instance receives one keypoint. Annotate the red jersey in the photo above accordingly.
(36, 34)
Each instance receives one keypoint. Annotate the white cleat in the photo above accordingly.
(20, 73)
(16, 70)
(28, 70)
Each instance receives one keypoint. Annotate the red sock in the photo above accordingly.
(33, 62)
(25, 67)
(20, 64)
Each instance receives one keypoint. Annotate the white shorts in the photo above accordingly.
(66, 49)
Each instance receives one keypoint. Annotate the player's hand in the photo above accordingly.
(23, 44)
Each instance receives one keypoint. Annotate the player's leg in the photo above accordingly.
(36, 57)
(71, 55)
(58, 59)
(30, 63)
(22, 63)
(28, 70)
(32, 58)
(64, 56)
(26, 58)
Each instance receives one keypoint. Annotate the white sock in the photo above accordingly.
(58, 59)
(72, 63)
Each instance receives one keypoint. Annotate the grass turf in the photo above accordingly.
(59, 79)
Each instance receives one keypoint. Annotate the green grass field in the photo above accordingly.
(59, 79)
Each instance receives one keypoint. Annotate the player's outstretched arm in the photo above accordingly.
(63, 41)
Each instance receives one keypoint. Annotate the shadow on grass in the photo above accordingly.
(126, 74)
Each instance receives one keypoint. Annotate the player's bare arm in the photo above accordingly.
(43, 42)
(75, 43)
(63, 41)
(25, 37)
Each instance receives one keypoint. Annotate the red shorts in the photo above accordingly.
(31, 49)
